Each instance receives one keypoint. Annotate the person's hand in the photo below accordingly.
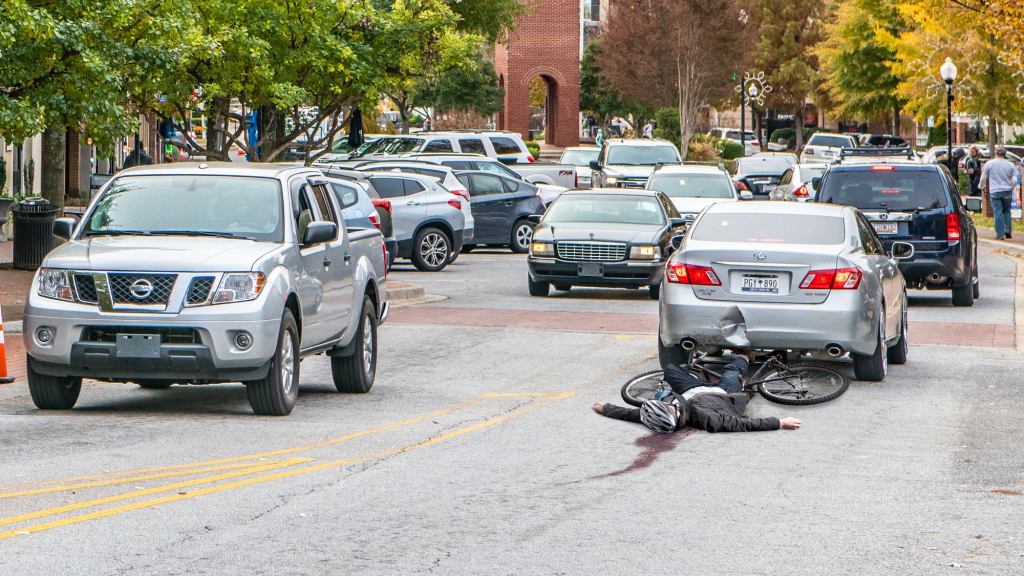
(789, 423)
(599, 408)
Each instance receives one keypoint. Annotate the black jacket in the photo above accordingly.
(711, 412)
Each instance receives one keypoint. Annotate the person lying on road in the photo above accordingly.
(698, 403)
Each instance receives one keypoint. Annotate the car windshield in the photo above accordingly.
(605, 209)
(770, 228)
(693, 185)
(341, 146)
(391, 146)
(830, 141)
(579, 157)
(642, 155)
(765, 165)
(192, 204)
(890, 189)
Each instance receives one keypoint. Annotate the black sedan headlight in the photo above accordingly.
(542, 249)
(643, 252)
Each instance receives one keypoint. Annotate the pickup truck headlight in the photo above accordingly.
(55, 284)
(239, 287)
(542, 249)
(642, 252)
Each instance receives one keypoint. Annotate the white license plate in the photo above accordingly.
(760, 284)
(886, 227)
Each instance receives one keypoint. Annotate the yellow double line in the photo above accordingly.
(179, 487)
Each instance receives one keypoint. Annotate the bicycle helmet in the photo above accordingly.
(659, 416)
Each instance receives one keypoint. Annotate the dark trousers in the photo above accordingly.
(1001, 202)
(680, 380)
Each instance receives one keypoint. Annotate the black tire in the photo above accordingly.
(467, 248)
(275, 394)
(977, 281)
(431, 250)
(803, 385)
(872, 367)
(964, 295)
(154, 384)
(653, 291)
(899, 351)
(522, 236)
(672, 355)
(563, 287)
(538, 288)
(642, 387)
(354, 374)
(52, 392)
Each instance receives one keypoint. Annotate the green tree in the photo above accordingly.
(597, 97)
(470, 87)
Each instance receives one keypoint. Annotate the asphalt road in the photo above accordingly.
(476, 453)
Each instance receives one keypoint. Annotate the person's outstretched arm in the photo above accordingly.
(723, 422)
(617, 412)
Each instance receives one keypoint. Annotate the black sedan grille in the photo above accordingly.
(141, 288)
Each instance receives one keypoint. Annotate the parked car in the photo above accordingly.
(882, 141)
(581, 157)
(917, 204)
(791, 158)
(785, 276)
(797, 183)
(202, 273)
(629, 163)
(362, 207)
(751, 145)
(759, 173)
(498, 145)
(562, 175)
(694, 187)
(876, 155)
(428, 219)
(502, 207)
(824, 146)
(603, 237)
(547, 192)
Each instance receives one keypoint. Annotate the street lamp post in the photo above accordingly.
(743, 114)
(753, 92)
(948, 73)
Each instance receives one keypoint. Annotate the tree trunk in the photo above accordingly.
(798, 120)
(993, 133)
(216, 129)
(53, 169)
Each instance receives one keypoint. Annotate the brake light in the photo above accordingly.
(375, 220)
(841, 279)
(802, 192)
(953, 227)
(455, 204)
(464, 194)
(383, 204)
(741, 186)
(883, 168)
(682, 273)
(529, 158)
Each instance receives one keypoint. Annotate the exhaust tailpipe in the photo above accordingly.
(688, 344)
(834, 350)
(936, 278)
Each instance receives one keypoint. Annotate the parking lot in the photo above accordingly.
(476, 453)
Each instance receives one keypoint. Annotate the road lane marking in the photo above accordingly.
(515, 413)
(251, 469)
(558, 395)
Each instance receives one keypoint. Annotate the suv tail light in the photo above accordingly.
(375, 220)
(460, 192)
(683, 273)
(455, 204)
(953, 227)
(383, 204)
(741, 187)
(802, 192)
(840, 279)
(529, 158)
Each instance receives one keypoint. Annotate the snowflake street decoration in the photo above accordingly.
(755, 86)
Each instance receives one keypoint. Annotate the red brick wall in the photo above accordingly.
(546, 43)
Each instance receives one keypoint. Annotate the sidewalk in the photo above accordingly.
(1014, 246)
(14, 285)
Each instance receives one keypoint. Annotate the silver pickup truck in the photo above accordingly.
(204, 273)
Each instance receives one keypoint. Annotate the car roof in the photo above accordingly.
(770, 208)
(639, 192)
(638, 142)
(408, 175)
(690, 169)
(260, 169)
(446, 156)
(902, 166)
(574, 148)
(409, 163)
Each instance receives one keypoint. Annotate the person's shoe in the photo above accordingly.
(1000, 237)
(1009, 236)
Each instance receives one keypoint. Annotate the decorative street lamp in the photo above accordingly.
(948, 73)
(754, 87)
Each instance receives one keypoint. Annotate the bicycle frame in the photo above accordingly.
(696, 363)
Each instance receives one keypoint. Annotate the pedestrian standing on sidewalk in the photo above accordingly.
(997, 177)
(973, 166)
(600, 137)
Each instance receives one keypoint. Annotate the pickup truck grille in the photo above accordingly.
(140, 288)
(591, 251)
(632, 183)
(85, 288)
(199, 290)
(167, 335)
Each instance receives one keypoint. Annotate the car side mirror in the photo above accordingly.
(746, 195)
(64, 227)
(902, 250)
(815, 182)
(319, 232)
(973, 204)
(677, 241)
(677, 222)
(535, 218)
(595, 165)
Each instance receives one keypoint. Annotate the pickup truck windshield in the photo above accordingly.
(693, 185)
(193, 204)
(605, 209)
(580, 158)
(642, 155)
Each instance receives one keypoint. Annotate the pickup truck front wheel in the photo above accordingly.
(52, 392)
(275, 394)
(355, 373)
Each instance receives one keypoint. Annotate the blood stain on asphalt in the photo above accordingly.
(652, 447)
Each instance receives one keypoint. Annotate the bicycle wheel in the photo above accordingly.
(803, 385)
(642, 388)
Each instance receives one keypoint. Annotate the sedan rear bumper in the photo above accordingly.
(629, 274)
(845, 319)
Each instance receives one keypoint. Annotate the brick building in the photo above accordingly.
(545, 44)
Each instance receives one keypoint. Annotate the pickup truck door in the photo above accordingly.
(338, 265)
(492, 208)
(316, 284)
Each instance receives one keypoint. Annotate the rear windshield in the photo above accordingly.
(579, 157)
(766, 165)
(604, 208)
(693, 185)
(830, 141)
(770, 228)
(892, 190)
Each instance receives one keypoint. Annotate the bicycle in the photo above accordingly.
(774, 380)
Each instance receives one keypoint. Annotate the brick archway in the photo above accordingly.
(546, 43)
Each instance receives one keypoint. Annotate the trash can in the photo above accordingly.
(33, 232)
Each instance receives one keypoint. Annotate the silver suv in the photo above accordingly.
(196, 273)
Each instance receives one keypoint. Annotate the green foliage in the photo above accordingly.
(937, 135)
(730, 150)
(702, 152)
(470, 85)
(789, 31)
(596, 96)
(1018, 139)
(3, 176)
(668, 124)
(534, 148)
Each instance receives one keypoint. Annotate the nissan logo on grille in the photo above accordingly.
(141, 289)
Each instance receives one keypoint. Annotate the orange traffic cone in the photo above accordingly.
(4, 377)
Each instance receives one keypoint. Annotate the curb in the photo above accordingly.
(12, 327)
(402, 292)
(1008, 247)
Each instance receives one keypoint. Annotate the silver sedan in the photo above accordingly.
(781, 275)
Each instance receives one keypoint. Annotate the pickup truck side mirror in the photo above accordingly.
(595, 165)
(535, 218)
(677, 241)
(319, 232)
(746, 195)
(64, 227)
(902, 250)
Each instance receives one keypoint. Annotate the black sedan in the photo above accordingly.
(604, 237)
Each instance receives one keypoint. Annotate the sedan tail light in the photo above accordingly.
(383, 204)
(802, 192)
(839, 279)
(455, 204)
(953, 227)
(683, 273)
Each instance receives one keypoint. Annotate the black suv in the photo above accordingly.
(919, 204)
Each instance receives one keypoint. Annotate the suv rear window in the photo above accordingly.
(503, 145)
(770, 228)
(895, 189)
(830, 141)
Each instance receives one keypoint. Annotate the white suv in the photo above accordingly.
(502, 145)
(825, 147)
